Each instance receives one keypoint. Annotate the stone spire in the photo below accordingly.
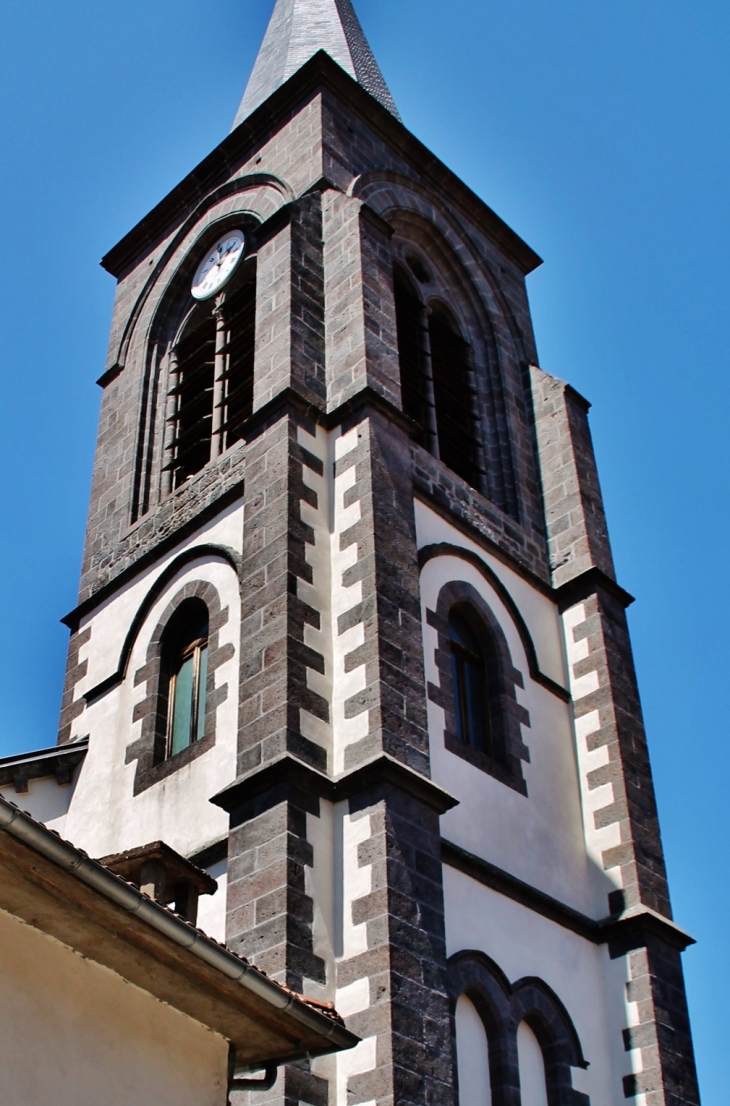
(297, 30)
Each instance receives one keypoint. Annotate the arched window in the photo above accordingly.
(533, 1084)
(472, 1055)
(472, 693)
(453, 396)
(410, 326)
(193, 389)
(240, 316)
(436, 390)
(185, 676)
(211, 379)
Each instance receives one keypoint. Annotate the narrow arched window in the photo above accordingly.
(193, 391)
(185, 675)
(472, 1055)
(409, 317)
(211, 379)
(240, 317)
(471, 683)
(533, 1083)
(453, 396)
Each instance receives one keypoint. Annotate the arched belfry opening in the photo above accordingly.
(454, 395)
(450, 377)
(210, 379)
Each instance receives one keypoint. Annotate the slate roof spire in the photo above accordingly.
(297, 30)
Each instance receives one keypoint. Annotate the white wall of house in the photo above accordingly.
(73, 1033)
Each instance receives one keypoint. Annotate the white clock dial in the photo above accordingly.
(218, 265)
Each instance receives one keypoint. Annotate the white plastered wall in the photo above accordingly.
(336, 881)
(104, 816)
(328, 595)
(101, 1039)
(591, 986)
(539, 838)
(45, 800)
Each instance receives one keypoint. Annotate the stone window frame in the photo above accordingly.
(417, 248)
(509, 715)
(149, 749)
(439, 298)
(215, 312)
(169, 318)
(502, 1007)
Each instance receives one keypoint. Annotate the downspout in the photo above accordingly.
(265, 1083)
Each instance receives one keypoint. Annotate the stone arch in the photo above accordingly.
(448, 278)
(508, 716)
(162, 300)
(257, 196)
(147, 749)
(387, 191)
(188, 556)
(503, 1006)
(167, 321)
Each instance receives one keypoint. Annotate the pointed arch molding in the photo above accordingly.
(249, 183)
(189, 556)
(502, 1007)
(385, 190)
(445, 549)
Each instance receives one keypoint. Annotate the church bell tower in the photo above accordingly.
(349, 636)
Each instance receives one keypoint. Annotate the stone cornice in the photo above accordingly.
(624, 932)
(287, 775)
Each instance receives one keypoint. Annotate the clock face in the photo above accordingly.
(218, 265)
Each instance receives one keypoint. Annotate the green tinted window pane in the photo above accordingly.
(182, 711)
(202, 684)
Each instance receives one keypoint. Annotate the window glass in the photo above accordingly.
(182, 709)
(202, 683)
(471, 690)
(187, 668)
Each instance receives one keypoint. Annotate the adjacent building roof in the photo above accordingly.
(59, 890)
(59, 761)
(298, 30)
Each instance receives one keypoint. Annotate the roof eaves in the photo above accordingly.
(313, 1015)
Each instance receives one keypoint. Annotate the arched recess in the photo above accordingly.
(472, 1055)
(164, 299)
(194, 342)
(386, 190)
(506, 752)
(148, 750)
(158, 588)
(261, 195)
(444, 284)
(503, 1006)
(445, 549)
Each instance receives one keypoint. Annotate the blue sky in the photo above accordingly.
(599, 132)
